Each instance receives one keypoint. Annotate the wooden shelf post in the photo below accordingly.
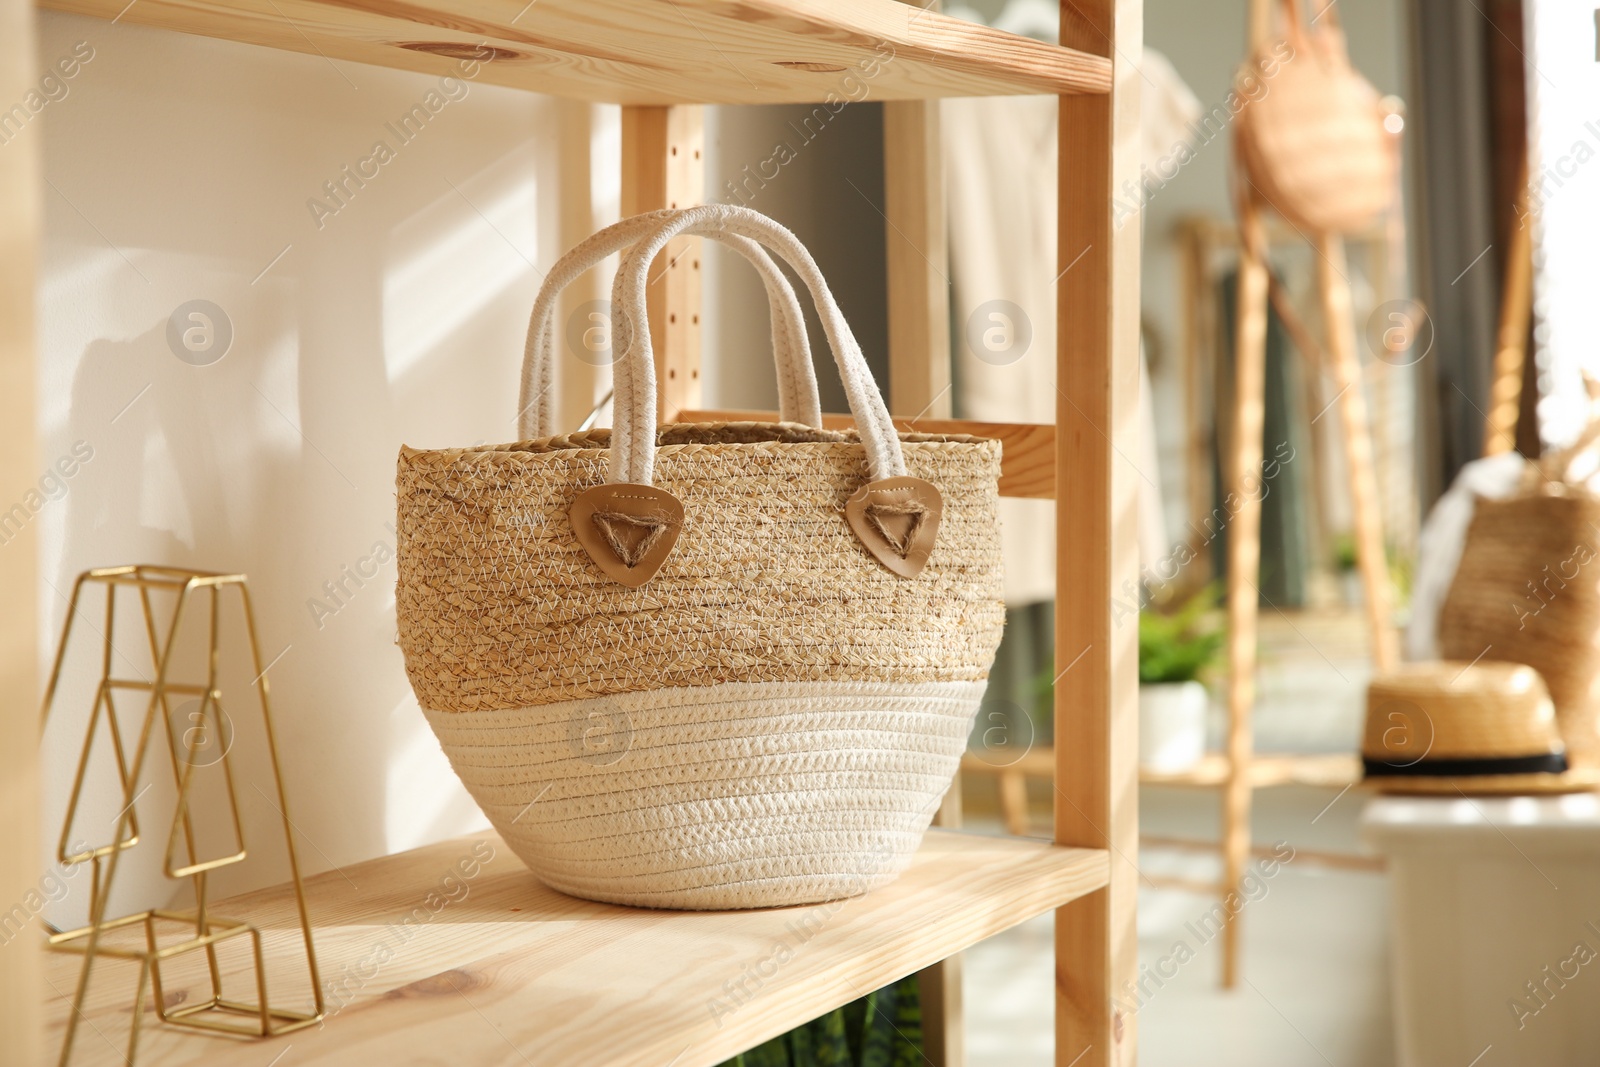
(917, 261)
(19, 714)
(1096, 694)
(1371, 553)
(20, 213)
(1244, 561)
(663, 166)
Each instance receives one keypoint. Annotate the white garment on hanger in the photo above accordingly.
(1442, 539)
(1000, 173)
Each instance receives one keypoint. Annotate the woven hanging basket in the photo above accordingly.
(1528, 591)
(1315, 142)
(707, 665)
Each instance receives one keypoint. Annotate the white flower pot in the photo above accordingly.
(1351, 590)
(1172, 725)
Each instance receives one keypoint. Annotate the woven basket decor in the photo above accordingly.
(703, 666)
(1528, 591)
(1315, 141)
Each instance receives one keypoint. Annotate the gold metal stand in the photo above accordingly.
(196, 928)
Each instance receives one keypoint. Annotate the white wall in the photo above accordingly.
(179, 168)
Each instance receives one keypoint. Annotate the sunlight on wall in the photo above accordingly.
(180, 169)
(443, 274)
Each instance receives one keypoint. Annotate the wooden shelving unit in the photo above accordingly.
(1266, 770)
(578, 982)
(648, 52)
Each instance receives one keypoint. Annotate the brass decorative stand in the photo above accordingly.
(196, 928)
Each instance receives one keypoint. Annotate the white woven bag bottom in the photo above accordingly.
(739, 795)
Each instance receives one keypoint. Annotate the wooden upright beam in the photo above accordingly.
(1371, 552)
(1096, 690)
(663, 166)
(1244, 494)
(1511, 337)
(918, 260)
(20, 982)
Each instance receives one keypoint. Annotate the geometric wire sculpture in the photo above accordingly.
(199, 930)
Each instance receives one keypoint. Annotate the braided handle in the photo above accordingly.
(791, 349)
(633, 441)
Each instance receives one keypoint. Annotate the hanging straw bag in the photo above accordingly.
(1315, 141)
(1528, 591)
(707, 666)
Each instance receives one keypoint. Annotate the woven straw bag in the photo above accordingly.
(1317, 144)
(703, 666)
(1528, 591)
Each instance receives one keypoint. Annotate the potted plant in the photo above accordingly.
(1345, 566)
(1175, 648)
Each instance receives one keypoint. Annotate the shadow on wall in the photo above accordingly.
(241, 366)
(819, 171)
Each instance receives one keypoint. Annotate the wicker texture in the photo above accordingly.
(499, 607)
(780, 713)
(1528, 591)
(1450, 710)
(731, 796)
(1313, 145)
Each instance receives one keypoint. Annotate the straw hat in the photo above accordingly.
(1449, 727)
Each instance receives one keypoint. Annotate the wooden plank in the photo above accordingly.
(1511, 337)
(944, 1028)
(1096, 692)
(1371, 552)
(500, 971)
(19, 472)
(1243, 474)
(1343, 861)
(662, 166)
(1027, 463)
(686, 186)
(1329, 770)
(918, 261)
(649, 52)
(1333, 770)
(1199, 333)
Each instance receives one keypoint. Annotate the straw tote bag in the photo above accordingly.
(1527, 590)
(1315, 145)
(703, 666)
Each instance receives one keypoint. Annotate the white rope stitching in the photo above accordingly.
(633, 442)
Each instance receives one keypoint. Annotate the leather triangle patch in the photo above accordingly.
(897, 519)
(628, 530)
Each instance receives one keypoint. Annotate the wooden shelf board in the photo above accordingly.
(512, 973)
(1027, 462)
(1266, 770)
(651, 51)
